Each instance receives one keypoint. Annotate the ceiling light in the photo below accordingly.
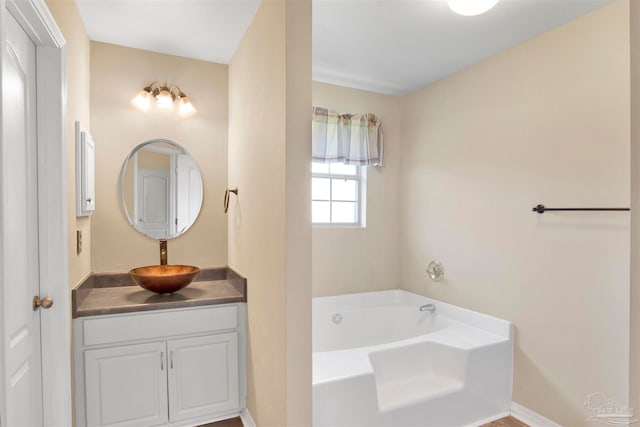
(164, 96)
(471, 7)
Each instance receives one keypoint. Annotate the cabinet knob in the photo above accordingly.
(45, 302)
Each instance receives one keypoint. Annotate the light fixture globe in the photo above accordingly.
(471, 7)
(185, 107)
(143, 99)
(164, 99)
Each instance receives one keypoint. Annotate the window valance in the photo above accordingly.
(353, 139)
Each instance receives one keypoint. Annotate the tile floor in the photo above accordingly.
(506, 422)
(503, 422)
(231, 422)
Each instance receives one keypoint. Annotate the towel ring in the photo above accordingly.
(226, 197)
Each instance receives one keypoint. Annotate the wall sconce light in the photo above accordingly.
(164, 97)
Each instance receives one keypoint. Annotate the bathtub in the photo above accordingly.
(380, 361)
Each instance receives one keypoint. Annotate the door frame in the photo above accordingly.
(38, 23)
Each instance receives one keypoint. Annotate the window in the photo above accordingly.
(337, 194)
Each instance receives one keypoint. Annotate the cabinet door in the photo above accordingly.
(127, 386)
(203, 376)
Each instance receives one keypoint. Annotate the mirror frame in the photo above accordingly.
(123, 204)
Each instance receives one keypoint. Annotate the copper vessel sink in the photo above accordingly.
(164, 279)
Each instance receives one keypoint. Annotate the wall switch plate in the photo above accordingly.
(78, 241)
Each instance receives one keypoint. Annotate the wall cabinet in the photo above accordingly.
(85, 172)
(187, 377)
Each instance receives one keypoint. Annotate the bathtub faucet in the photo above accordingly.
(428, 307)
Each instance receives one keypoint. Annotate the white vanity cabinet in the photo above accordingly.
(126, 385)
(198, 387)
(177, 367)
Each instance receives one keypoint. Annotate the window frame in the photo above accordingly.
(360, 178)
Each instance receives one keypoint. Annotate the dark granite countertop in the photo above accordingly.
(109, 293)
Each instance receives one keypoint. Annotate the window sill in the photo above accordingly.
(337, 226)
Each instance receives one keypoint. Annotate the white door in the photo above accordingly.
(127, 386)
(153, 202)
(203, 376)
(188, 192)
(20, 278)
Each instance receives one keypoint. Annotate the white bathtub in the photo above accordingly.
(379, 361)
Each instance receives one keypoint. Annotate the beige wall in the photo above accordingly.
(348, 260)
(152, 160)
(117, 74)
(77, 52)
(68, 19)
(298, 264)
(269, 222)
(545, 122)
(634, 299)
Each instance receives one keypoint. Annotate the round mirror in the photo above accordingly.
(160, 189)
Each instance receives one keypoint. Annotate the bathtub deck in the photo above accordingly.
(336, 365)
(395, 395)
(383, 362)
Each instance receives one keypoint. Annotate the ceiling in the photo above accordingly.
(209, 30)
(387, 46)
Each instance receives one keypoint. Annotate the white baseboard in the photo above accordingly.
(529, 417)
(245, 416)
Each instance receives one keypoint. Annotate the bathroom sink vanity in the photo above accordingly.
(151, 359)
(143, 359)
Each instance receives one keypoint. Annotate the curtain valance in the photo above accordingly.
(353, 139)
